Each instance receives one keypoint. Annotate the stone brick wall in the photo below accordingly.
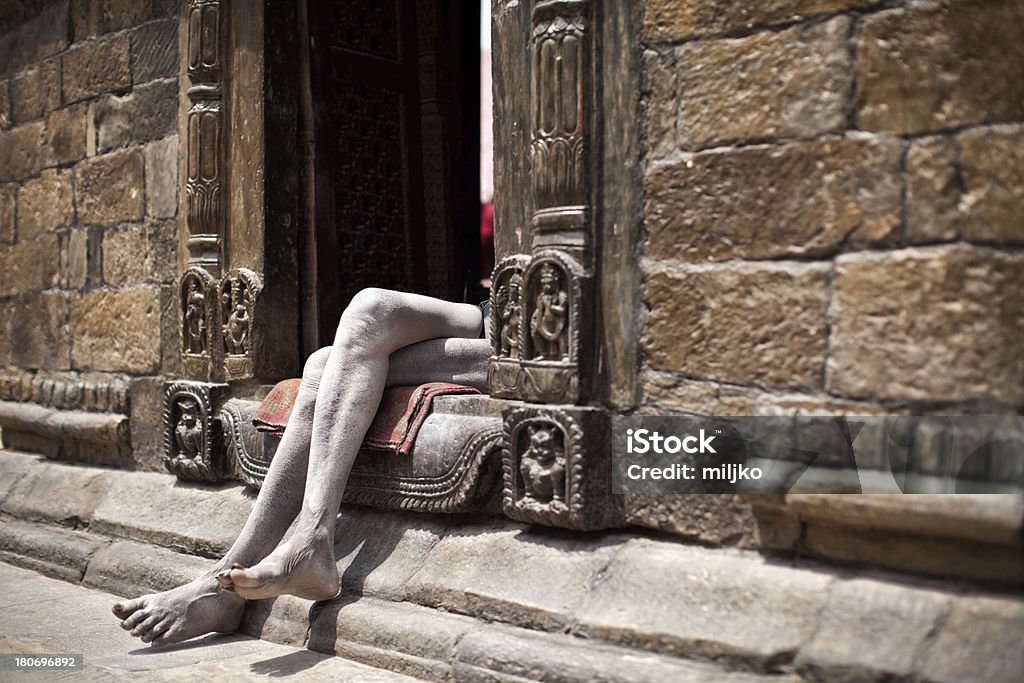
(88, 204)
(833, 206)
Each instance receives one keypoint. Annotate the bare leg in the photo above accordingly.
(375, 325)
(198, 607)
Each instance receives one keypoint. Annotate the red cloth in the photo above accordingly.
(394, 427)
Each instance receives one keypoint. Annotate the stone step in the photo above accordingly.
(426, 594)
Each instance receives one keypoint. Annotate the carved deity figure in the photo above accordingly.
(188, 433)
(550, 315)
(236, 329)
(510, 312)
(195, 319)
(542, 466)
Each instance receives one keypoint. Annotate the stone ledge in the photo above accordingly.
(57, 553)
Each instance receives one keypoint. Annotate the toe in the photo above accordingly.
(145, 626)
(241, 578)
(123, 610)
(224, 581)
(169, 637)
(134, 619)
(158, 630)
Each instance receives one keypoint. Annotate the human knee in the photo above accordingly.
(316, 363)
(366, 318)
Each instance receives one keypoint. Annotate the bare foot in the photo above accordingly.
(185, 612)
(303, 566)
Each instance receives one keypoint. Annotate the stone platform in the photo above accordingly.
(479, 598)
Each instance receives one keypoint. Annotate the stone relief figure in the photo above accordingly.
(510, 312)
(384, 338)
(188, 433)
(542, 466)
(549, 321)
(236, 329)
(195, 319)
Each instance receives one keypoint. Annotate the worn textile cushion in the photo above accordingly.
(394, 428)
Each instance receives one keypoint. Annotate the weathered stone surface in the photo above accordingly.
(992, 166)
(710, 519)
(21, 151)
(743, 324)
(938, 324)
(787, 84)
(762, 202)
(155, 51)
(65, 135)
(117, 330)
(74, 259)
(933, 191)
(13, 467)
(508, 575)
(42, 35)
(198, 520)
(939, 65)
(162, 177)
(131, 569)
(93, 18)
(110, 188)
(979, 642)
(38, 331)
(870, 625)
(36, 92)
(726, 605)
(95, 68)
(674, 20)
(147, 402)
(5, 104)
(658, 102)
(128, 256)
(502, 653)
(149, 112)
(28, 265)
(401, 637)
(7, 212)
(57, 493)
(44, 203)
(54, 552)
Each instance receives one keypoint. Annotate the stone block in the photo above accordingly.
(110, 188)
(45, 203)
(742, 323)
(28, 265)
(35, 93)
(992, 166)
(980, 641)
(38, 331)
(22, 151)
(96, 68)
(8, 193)
(933, 191)
(93, 18)
(58, 553)
(730, 606)
(674, 20)
(39, 37)
(149, 112)
(873, 626)
(708, 519)
(162, 177)
(508, 575)
(804, 199)
(935, 324)
(794, 83)
(117, 330)
(658, 102)
(5, 104)
(131, 569)
(147, 436)
(74, 259)
(127, 256)
(196, 520)
(65, 135)
(57, 493)
(934, 66)
(154, 51)
(14, 467)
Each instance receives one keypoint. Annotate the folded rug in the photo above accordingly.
(394, 428)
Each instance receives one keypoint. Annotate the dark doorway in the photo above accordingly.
(395, 98)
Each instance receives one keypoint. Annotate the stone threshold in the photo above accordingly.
(443, 597)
